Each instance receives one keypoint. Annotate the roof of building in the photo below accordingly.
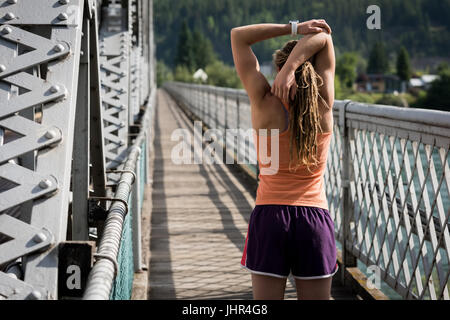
(423, 80)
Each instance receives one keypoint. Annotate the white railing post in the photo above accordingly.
(348, 259)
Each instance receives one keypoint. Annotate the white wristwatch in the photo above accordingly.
(294, 26)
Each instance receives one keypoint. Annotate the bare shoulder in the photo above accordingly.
(269, 113)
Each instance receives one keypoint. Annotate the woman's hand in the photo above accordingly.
(313, 26)
(285, 85)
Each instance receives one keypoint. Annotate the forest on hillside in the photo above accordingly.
(421, 26)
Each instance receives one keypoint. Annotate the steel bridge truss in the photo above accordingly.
(73, 77)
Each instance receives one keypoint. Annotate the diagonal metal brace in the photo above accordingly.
(25, 238)
(14, 289)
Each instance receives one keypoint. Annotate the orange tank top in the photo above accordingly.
(279, 185)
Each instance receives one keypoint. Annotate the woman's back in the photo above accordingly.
(281, 184)
(298, 156)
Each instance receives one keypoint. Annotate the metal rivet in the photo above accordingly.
(58, 48)
(9, 16)
(50, 134)
(55, 88)
(64, 1)
(39, 237)
(36, 295)
(122, 124)
(6, 30)
(2, 68)
(44, 184)
(63, 16)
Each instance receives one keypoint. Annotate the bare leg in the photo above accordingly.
(315, 289)
(268, 288)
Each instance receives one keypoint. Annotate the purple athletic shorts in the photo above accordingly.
(285, 239)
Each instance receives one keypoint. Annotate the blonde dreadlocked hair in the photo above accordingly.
(304, 116)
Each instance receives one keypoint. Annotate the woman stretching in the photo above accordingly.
(290, 229)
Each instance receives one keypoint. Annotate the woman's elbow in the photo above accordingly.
(233, 32)
(327, 38)
(319, 40)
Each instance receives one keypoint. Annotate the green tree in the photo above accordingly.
(378, 60)
(222, 75)
(163, 73)
(403, 65)
(203, 51)
(420, 25)
(183, 74)
(338, 93)
(442, 67)
(185, 51)
(346, 66)
(438, 97)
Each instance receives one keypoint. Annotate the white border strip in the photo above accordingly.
(318, 277)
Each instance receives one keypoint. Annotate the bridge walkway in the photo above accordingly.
(199, 220)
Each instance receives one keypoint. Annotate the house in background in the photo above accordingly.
(378, 83)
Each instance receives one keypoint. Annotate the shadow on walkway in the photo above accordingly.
(158, 244)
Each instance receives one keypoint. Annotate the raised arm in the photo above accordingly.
(247, 66)
(320, 45)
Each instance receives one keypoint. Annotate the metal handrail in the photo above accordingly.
(105, 270)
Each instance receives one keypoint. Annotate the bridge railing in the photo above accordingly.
(387, 183)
